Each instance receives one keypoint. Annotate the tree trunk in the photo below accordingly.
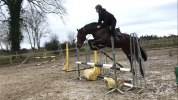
(7, 47)
(38, 45)
(29, 37)
(34, 42)
(1, 46)
(15, 34)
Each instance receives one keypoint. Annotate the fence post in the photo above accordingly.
(10, 59)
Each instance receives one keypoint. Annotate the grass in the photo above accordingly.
(158, 43)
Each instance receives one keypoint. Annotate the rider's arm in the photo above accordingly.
(105, 14)
(99, 20)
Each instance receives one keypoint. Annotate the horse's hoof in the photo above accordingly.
(93, 43)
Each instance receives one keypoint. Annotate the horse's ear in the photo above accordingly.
(77, 29)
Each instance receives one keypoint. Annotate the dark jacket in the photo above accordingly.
(106, 17)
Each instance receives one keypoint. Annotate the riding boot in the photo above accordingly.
(116, 37)
(117, 31)
(119, 35)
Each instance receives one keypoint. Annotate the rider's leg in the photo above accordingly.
(118, 31)
(113, 25)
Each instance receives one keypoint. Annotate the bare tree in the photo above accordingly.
(36, 26)
(71, 38)
(15, 9)
(1, 39)
(4, 36)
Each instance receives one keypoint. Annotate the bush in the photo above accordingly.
(52, 45)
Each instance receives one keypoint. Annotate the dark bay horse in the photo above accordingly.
(102, 37)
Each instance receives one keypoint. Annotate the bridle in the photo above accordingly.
(81, 31)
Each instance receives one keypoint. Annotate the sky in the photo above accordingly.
(144, 17)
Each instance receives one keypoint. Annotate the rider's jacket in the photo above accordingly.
(105, 16)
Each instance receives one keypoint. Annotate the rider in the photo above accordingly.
(108, 19)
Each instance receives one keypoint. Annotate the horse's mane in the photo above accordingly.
(93, 23)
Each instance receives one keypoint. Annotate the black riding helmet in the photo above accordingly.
(98, 6)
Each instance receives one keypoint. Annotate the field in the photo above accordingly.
(46, 82)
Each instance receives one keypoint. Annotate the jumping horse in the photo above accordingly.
(101, 37)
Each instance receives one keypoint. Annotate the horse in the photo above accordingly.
(102, 37)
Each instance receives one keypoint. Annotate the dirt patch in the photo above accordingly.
(44, 82)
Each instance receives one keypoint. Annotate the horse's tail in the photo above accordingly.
(144, 55)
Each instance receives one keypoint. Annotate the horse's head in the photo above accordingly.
(81, 37)
(87, 29)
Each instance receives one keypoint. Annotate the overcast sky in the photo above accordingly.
(145, 17)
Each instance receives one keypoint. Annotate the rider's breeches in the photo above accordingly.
(113, 25)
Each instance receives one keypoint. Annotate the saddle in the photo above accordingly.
(117, 31)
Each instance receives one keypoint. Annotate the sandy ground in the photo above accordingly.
(44, 82)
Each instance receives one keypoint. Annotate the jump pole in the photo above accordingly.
(125, 84)
(109, 66)
(67, 68)
(111, 58)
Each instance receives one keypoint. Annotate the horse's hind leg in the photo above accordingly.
(127, 53)
(139, 62)
(141, 69)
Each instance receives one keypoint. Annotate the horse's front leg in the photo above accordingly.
(100, 43)
(92, 44)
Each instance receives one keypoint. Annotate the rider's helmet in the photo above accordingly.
(98, 6)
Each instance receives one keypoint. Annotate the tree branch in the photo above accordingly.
(50, 6)
(5, 2)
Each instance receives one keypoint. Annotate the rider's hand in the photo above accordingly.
(98, 26)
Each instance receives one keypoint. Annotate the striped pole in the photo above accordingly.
(103, 66)
(111, 58)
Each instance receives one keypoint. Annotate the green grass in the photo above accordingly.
(158, 43)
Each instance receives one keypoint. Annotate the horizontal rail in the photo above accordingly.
(125, 84)
(103, 65)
